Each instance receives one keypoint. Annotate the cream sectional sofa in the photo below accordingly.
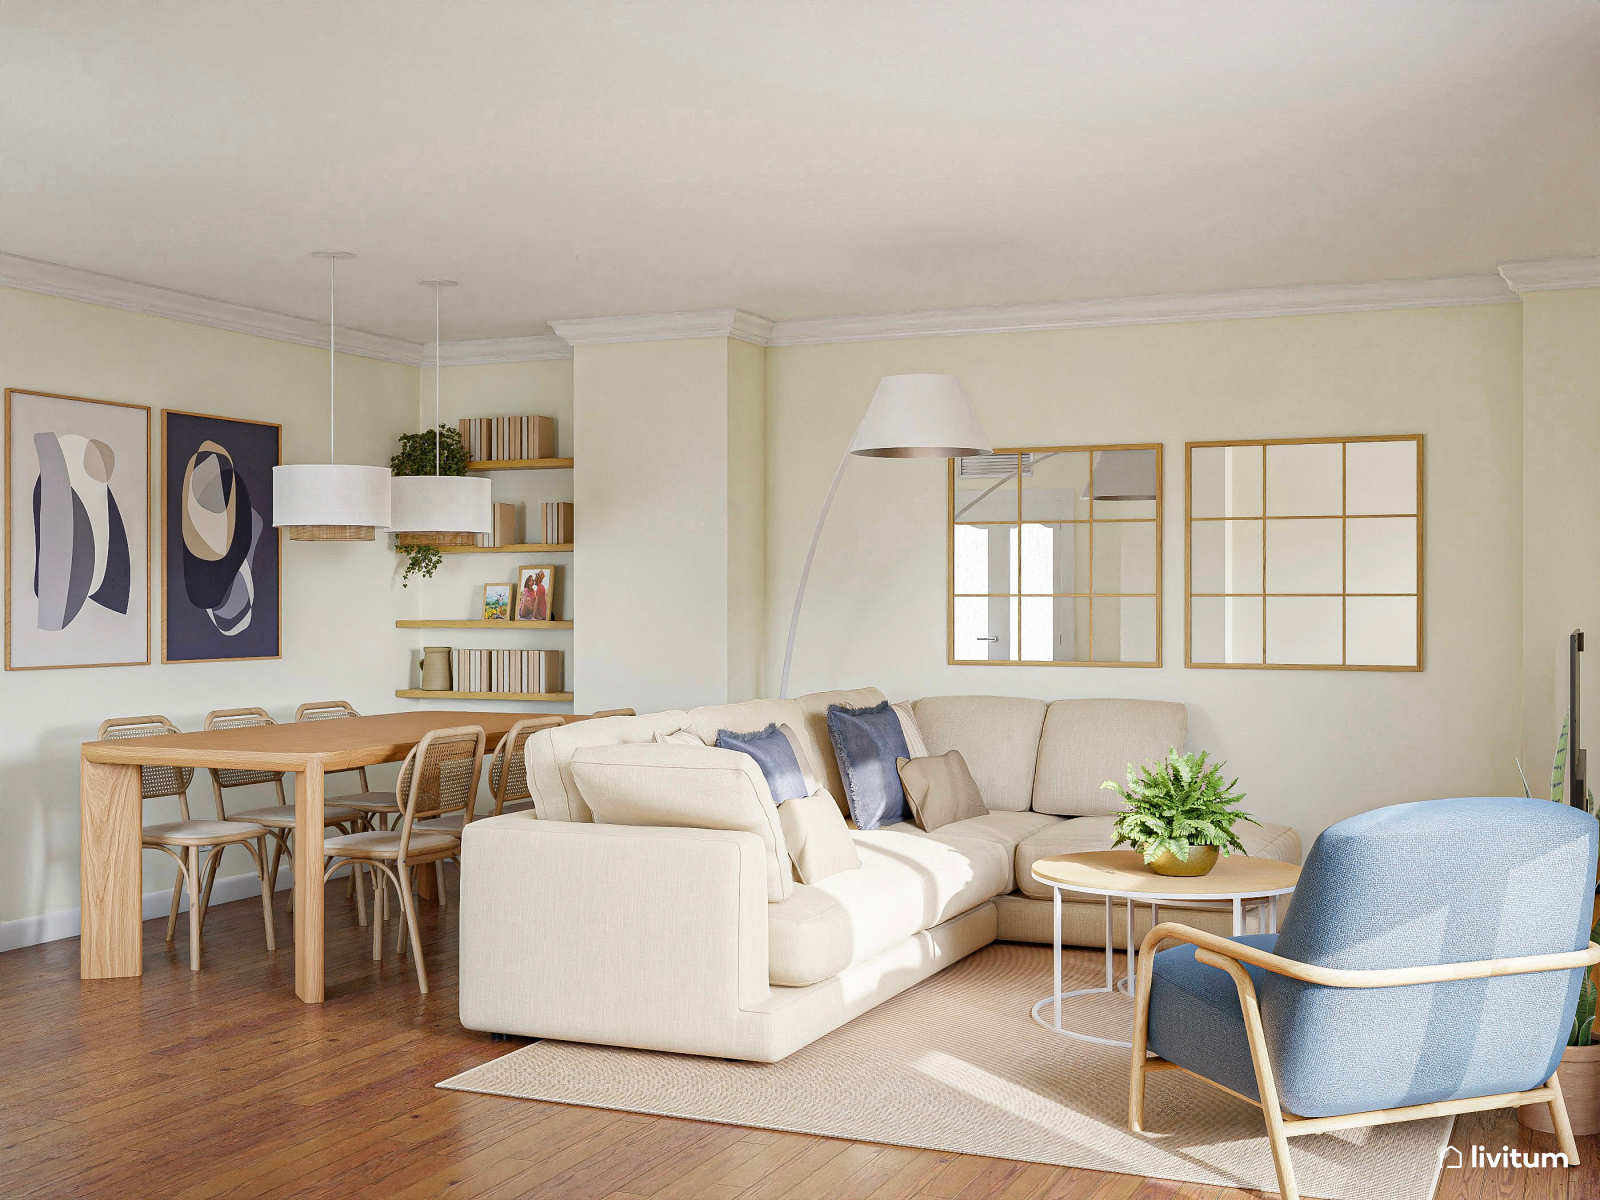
(699, 941)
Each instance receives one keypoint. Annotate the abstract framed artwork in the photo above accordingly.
(221, 559)
(77, 515)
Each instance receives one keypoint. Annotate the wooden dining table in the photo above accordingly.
(111, 796)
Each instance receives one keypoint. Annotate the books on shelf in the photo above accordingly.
(507, 670)
(508, 439)
(557, 517)
(507, 521)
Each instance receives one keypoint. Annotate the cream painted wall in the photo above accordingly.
(456, 589)
(1310, 747)
(339, 600)
(1561, 504)
(662, 568)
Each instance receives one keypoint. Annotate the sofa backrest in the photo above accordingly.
(548, 754)
(997, 735)
(806, 715)
(1085, 742)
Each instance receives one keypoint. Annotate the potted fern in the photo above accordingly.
(420, 455)
(1579, 1071)
(1180, 814)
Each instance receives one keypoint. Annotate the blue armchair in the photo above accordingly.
(1429, 965)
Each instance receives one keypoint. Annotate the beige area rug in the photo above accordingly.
(957, 1064)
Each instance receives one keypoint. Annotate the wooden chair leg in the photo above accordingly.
(1562, 1123)
(1266, 1085)
(378, 894)
(359, 886)
(410, 907)
(177, 896)
(258, 851)
(191, 874)
(1141, 1041)
(209, 871)
(405, 885)
(438, 878)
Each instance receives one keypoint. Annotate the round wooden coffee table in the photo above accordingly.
(1250, 885)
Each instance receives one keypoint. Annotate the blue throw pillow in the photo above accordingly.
(774, 755)
(867, 742)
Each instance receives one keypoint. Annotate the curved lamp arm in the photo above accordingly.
(805, 573)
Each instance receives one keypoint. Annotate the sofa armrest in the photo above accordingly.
(629, 935)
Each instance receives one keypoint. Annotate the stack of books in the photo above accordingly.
(527, 671)
(505, 439)
(557, 523)
(507, 527)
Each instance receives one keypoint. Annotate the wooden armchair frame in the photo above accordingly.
(1229, 956)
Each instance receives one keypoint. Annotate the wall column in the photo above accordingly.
(669, 483)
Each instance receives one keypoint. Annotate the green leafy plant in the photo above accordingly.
(1176, 805)
(420, 454)
(1583, 1020)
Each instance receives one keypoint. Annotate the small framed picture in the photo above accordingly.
(536, 594)
(497, 601)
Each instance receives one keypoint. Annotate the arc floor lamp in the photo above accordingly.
(911, 416)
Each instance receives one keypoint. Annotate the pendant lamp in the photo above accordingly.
(439, 510)
(333, 501)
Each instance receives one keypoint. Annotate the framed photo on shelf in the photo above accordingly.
(77, 514)
(497, 601)
(536, 593)
(221, 558)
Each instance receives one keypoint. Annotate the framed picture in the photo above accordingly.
(536, 594)
(497, 601)
(77, 516)
(221, 559)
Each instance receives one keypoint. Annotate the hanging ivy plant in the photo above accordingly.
(419, 455)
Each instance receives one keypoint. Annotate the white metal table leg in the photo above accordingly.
(1055, 942)
(1238, 916)
(1111, 950)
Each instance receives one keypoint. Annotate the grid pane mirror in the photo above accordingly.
(1055, 556)
(1305, 554)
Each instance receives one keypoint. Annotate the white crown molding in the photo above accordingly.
(73, 283)
(666, 327)
(1552, 274)
(484, 351)
(1150, 310)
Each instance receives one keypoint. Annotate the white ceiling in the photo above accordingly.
(795, 159)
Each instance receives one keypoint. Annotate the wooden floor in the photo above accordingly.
(220, 1083)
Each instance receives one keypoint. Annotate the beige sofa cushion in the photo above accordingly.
(1082, 834)
(997, 735)
(693, 787)
(818, 839)
(1086, 742)
(548, 754)
(906, 883)
(1003, 829)
(940, 790)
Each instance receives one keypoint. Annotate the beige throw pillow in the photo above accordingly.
(819, 843)
(909, 727)
(683, 737)
(940, 789)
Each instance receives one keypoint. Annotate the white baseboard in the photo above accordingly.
(52, 927)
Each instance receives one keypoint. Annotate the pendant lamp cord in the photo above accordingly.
(333, 264)
(436, 365)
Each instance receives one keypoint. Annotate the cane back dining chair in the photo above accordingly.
(1430, 965)
(377, 809)
(439, 777)
(278, 818)
(508, 785)
(186, 839)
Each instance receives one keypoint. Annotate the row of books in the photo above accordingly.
(507, 521)
(557, 520)
(502, 439)
(507, 670)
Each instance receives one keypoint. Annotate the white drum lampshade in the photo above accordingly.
(920, 416)
(330, 502)
(439, 504)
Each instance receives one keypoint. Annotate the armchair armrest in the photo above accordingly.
(1214, 950)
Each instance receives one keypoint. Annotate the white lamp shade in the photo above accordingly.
(440, 504)
(330, 494)
(920, 416)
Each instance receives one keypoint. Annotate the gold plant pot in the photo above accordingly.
(1201, 860)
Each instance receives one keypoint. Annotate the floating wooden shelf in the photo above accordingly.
(519, 548)
(419, 694)
(520, 464)
(483, 624)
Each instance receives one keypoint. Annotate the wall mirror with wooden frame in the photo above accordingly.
(1055, 557)
(1304, 554)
